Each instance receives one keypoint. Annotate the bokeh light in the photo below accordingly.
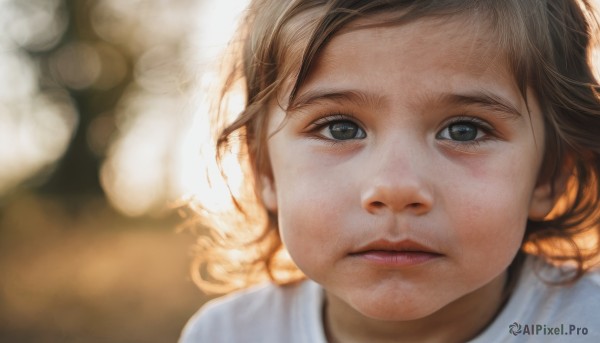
(35, 125)
(34, 24)
(104, 107)
(33, 135)
(159, 156)
(76, 65)
(151, 154)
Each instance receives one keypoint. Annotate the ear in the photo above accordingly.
(542, 201)
(546, 194)
(268, 193)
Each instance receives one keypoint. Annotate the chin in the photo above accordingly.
(396, 310)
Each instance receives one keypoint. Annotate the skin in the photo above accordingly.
(403, 176)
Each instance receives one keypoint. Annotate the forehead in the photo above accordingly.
(450, 41)
(453, 50)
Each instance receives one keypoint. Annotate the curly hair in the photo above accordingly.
(548, 44)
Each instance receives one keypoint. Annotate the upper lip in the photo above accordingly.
(406, 245)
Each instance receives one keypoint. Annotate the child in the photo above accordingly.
(431, 167)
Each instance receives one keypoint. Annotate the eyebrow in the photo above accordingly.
(318, 95)
(483, 99)
(486, 100)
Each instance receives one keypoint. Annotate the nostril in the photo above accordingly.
(377, 204)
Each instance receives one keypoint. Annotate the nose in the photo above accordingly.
(396, 182)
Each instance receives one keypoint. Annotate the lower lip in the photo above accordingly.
(397, 258)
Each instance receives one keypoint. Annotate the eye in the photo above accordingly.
(463, 131)
(341, 130)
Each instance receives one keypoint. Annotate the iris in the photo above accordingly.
(344, 130)
(462, 132)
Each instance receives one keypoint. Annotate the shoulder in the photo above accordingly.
(252, 314)
(568, 299)
(537, 302)
(567, 306)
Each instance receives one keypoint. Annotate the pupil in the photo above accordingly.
(343, 130)
(463, 132)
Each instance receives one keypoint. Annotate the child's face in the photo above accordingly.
(411, 137)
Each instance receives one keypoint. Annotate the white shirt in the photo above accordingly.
(536, 312)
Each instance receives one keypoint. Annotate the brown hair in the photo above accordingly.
(548, 44)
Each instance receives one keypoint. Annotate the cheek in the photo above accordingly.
(307, 230)
(493, 235)
(309, 215)
(490, 219)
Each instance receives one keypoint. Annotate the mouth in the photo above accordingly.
(396, 254)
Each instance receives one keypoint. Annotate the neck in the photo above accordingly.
(458, 321)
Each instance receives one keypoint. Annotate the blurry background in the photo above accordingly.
(100, 103)
(102, 108)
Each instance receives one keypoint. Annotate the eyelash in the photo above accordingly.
(333, 117)
(481, 125)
